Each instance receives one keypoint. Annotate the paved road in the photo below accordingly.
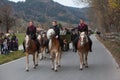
(101, 67)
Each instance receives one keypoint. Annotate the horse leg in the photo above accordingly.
(59, 57)
(56, 61)
(44, 52)
(52, 58)
(86, 60)
(34, 61)
(36, 57)
(27, 62)
(41, 54)
(81, 61)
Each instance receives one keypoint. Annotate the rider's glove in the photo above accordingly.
(56, 37)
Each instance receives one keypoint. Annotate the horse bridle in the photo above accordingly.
(82, 41)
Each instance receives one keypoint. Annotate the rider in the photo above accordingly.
(57, 32)
(82, 27)
(31, 30)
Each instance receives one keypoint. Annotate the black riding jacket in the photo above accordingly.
(83, 28)
(57, 30)
(32, 32)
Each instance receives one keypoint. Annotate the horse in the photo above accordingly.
(83, 50)
(42, 38)
(31, 48)
(55, 49)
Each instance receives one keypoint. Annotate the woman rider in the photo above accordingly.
(31, 31)
(82, 27)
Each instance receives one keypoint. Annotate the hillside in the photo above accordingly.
(47, 10)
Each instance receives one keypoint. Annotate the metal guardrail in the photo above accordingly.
(115, 37)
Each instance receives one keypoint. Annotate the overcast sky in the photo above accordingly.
(70, 3)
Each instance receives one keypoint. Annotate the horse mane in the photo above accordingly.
(50, 33)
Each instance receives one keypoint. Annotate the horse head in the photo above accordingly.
(83, 38)
(50, 33)
(39, 37)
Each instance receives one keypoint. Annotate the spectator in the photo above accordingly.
(14, 43)
(5, 47)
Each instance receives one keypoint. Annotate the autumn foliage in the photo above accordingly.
(105, 14)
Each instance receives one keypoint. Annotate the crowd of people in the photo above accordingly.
(8, 42)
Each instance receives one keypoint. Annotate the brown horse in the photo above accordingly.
(55, 49)
(83, 49)
(43, 45)
(31, 48)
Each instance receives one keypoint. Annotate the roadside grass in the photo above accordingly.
(20, 37)
(113, 47)
(11, 56)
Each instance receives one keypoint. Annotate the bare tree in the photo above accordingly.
(6, 16)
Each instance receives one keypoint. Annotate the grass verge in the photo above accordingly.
(11, 56)
(20, 37)
(113, 47)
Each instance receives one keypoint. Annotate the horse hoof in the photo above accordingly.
(52, 68)
(27, 70)
(86, 66)
(81, 69)
(36, 65)
(59, 65)
(83, 64)
(41, 59)
(56, 70)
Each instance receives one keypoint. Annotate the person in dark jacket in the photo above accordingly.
(57, 32)
(14, 42)
(31, 31)
(56, 29)
(74, 36)
(82, 27)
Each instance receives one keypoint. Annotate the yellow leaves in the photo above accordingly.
(113, 4)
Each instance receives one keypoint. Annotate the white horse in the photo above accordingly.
(55, 49)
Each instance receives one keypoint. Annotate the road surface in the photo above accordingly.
(102, 66)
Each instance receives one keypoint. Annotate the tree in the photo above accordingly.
(106, 14)
(0, 21)
(6, 13)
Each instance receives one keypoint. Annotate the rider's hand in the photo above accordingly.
(56, 37)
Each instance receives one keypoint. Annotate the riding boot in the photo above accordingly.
(47, 46)
(24, 46)
(75, 43)
(90, 45)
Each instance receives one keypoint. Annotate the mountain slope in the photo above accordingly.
(47, 10)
